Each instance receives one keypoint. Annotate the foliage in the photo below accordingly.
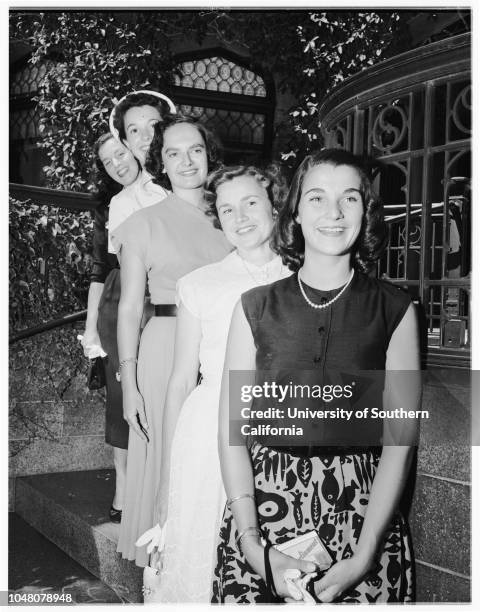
(49, 263)
(92, 59)
(95, 57)
(310, 53)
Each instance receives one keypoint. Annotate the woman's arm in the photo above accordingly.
(182, 381)
(90, 335)
(236, 463)
(130, 309)
(99, 273)
(401, 390)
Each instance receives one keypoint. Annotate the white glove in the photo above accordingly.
(154, 537)
(92, 350)
(297, 584)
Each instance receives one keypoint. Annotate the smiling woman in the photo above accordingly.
(118, 161)
(328, 318)
(158, 245)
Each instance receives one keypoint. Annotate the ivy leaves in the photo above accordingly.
(49, 263)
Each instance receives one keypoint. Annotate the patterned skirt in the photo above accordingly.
(329, 494)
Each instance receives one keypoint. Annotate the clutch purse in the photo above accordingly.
(308, 547)
(96, 374)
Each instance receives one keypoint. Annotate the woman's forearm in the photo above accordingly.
(385, 494)
(94, 295)
(128, 330)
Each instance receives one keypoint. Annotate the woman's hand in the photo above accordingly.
(341, 577)
(134, 413)
(279, 563)
(90, 338)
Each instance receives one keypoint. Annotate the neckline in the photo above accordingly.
(261, 267)
(322, 292)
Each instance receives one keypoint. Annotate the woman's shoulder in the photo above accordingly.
(262, 294)
(383, 287)
(216, 271)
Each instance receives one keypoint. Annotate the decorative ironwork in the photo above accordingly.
(219, 74)
(390, 127)
(414, 116)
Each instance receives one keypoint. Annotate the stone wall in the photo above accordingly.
(55, 423)
(440, 508)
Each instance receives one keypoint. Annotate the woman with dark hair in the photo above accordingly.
(131, 123)
(243, 201)
(336, 483)
(159, 244)
(115, 169)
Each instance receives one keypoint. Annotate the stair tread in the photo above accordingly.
(86, 494)
(71, 510)
(36, 565)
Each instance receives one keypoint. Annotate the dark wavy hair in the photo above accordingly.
(131, 101)
(105, 186)
(270, 177)
(154, 163)
(288, 239)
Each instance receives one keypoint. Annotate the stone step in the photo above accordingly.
(71, 510)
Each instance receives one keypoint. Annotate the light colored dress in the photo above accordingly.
(196, 497)
(143, 192)
(171, 238)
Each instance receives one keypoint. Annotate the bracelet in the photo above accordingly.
(246, 531)
(120, 366)
(232, 500)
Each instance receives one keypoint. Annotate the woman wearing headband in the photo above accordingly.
(159, 244)
(115, 167)
(131, 122)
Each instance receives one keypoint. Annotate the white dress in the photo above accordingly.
(196, 496)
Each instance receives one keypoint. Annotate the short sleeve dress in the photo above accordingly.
(196, 496)
(324, 488)
(171, 238)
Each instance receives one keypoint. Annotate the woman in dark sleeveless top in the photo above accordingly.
(338, 476)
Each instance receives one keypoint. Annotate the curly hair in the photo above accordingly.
(131, 101)
(105, 186)
(270, 177)
(154, 163)
(288, 239)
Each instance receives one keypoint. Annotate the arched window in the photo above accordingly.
(231, 97)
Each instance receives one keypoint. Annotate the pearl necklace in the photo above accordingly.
(330, 302)
(276, 276)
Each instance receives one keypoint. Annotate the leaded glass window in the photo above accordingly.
(230, 98)
(220, 74)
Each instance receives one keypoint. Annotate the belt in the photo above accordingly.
(165, 310)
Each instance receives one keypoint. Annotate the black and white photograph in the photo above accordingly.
(240, 304)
